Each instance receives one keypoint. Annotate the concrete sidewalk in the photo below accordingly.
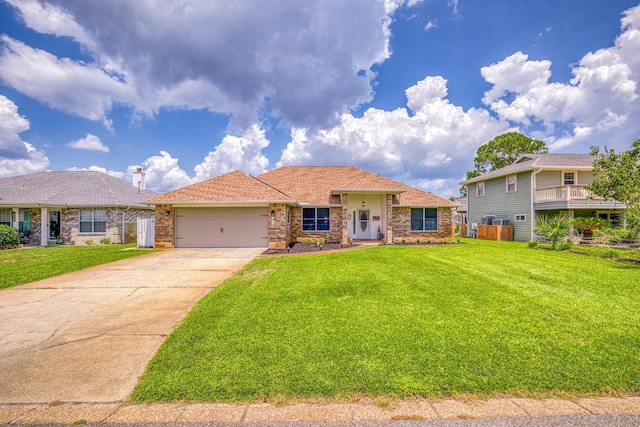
(87, 336)
(417, 409)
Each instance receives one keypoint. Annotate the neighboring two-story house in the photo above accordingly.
(537, 184)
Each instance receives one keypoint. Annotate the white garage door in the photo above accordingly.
(221, 227)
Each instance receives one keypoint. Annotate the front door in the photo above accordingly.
(363, 225)
(54, 224)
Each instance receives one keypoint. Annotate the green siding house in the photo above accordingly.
(537, 184)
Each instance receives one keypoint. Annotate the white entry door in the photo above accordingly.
(363, 225)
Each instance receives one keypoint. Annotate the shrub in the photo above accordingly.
(590, 224)
(105, 241)
(9, 237)
(88, 242)
(620, 235)
(532, 244)
(565, 246)
(553, 228)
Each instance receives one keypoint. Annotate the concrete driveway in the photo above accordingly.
(87, 336)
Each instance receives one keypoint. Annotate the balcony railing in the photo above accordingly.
(462, 203)
(565, 192)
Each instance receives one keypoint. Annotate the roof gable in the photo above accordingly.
(70, 188)
(232, 187)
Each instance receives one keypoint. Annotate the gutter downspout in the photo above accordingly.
(123, 212)
(533, 200)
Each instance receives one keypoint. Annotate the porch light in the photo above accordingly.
(167, 212)
(363, 203)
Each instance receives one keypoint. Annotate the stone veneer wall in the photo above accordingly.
(401, 223)
(334, 235)
(34, 225)
(70, 225)
(164, 226)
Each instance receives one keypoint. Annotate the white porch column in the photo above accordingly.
(44, 227)
(15, 219)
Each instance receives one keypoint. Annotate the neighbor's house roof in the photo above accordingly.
(311, 185)
(528, 162)
(72, 189)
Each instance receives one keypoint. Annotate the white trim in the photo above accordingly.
(484, 189)
(575, 177)
(515, 183)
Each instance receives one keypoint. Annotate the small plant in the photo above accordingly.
(429, 241)
(403, 241)
(105, 241)
(565, 246)
(418, 241)
(532, 244)
(9, 237)
(88, 242)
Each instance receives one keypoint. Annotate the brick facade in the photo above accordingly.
(165, 215)
(401, 224)
(334, 235)
(280, 226)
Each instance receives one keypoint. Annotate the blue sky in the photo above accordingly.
(407, 89)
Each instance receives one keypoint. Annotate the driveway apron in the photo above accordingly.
(87, 336)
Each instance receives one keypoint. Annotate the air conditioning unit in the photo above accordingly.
(501, 222)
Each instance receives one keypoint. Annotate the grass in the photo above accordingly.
(481, 318)
(20, 266)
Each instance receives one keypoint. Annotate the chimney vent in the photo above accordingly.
(138, 179)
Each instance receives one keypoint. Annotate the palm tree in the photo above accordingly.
(589, 224)
(553, 228)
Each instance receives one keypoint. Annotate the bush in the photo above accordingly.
(88, 242)
(565, 246)
(9, 237)
(620, 235)
(105, 241)
(532, 244)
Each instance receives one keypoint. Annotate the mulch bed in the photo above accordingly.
(299, 247)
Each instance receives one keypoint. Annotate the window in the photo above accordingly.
(23, 223)
(612, 217)
(521, 217)
(5, 216)
(512, 184)
(93, 221)
(480, 189)
(315, 219)
(424, 219)
(568, 178)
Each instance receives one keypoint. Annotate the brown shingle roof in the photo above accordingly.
(316, 184)
(232, 187)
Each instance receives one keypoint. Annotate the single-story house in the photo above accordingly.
(334, 204)
(534, 185)
(73, 206)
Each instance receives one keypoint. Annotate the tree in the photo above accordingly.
(501, 151)
(618, 178)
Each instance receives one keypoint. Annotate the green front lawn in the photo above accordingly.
(480, 318)
(20, 266)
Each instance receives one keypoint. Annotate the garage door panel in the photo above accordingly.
(221, 227)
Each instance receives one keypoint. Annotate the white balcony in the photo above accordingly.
(564, 193)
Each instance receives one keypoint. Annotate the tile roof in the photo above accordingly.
(232, 187)
(533, 161)
(70, 188)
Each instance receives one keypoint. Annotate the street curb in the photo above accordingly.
(412, 409)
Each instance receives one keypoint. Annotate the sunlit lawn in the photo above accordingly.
(20, 266)
(481, 318)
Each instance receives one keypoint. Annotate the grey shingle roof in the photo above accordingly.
(70, 188)
(533, 161)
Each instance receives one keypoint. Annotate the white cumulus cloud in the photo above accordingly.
(89, 142)
(17, 157)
